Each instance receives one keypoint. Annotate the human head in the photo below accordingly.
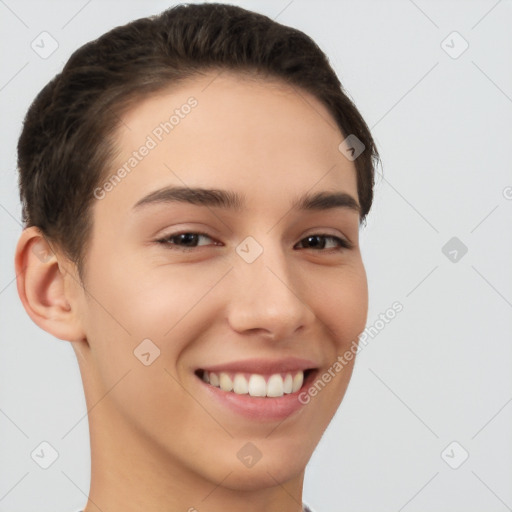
(206, 307)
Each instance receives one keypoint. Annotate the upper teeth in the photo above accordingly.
(255, 384)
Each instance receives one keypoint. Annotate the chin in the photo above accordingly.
(276, 466)
(263, 476)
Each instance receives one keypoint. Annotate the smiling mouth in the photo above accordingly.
(257, 385)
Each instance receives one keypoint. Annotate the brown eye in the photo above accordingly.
(183, 240)
(318, 242)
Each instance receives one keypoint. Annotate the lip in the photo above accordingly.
(263, 366)
(261, 409)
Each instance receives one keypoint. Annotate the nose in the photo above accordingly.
(268, 298)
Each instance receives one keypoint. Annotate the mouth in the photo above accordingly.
(261, 390)
(258, 385)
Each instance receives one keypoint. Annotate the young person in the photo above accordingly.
(193, 185)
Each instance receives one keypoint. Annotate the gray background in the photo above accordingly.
(440, 371)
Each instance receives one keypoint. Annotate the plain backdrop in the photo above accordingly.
(426, 422)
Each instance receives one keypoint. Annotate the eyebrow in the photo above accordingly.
(231, 200)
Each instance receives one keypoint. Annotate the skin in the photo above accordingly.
(157, 442)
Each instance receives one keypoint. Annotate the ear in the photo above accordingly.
(47, 286)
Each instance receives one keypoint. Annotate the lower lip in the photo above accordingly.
(259, 408)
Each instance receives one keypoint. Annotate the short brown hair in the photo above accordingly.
(67, 141)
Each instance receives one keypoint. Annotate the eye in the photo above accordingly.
(189, 240)
(317, 241)
(184, 240)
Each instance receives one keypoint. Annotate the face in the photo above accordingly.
(253, 285)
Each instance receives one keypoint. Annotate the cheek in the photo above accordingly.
(130, 302)
(131, 312)
(343, 306)
(146, 297)
(343, 309)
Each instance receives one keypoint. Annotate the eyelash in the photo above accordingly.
(166, 241)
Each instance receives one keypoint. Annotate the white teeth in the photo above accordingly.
(256, 386)
(240, 385)
(297, 381)
(214, 379)
(226, 383)
(275, 386)
(288, 383)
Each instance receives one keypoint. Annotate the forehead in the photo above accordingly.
(228, 130)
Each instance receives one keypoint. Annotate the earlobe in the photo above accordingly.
(41, 278)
